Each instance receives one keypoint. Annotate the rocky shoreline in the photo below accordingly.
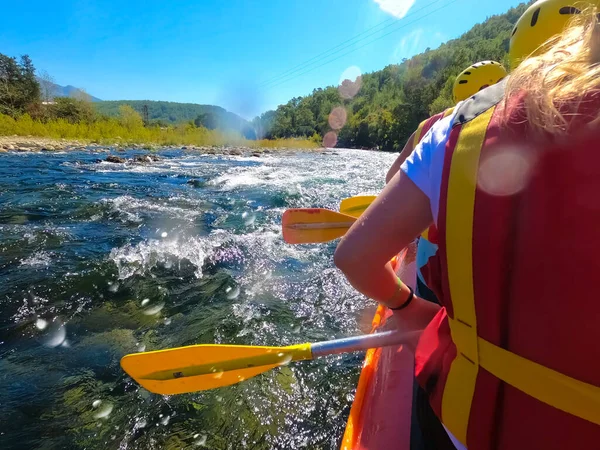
(39, 144)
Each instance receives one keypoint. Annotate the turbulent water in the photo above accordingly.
(98, 260)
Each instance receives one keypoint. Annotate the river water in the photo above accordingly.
(98, 260)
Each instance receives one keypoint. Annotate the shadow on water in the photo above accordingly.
(99, 260)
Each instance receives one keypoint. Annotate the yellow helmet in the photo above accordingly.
(541, 21)
(476, 77)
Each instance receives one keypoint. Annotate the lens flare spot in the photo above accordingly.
(337, 118)
(506, 172)
(330, 139)
(350, 82)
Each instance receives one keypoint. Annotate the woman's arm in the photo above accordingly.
(407, 150)
(394, 220)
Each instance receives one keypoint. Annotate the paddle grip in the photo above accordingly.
(356, 343)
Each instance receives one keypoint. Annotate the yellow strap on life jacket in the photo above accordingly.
(419, 133)
(542, 383)
(462, 183)
(448, 112)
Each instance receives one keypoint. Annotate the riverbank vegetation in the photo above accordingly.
(125, 130)
(375, 110)
(27, 109)
(382, 109)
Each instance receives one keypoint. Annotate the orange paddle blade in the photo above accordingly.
(314, 225)
(201, 367)
(355, 206)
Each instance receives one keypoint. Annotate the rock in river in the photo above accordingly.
(114, 159)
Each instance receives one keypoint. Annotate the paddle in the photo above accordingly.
(355, 206)
(201, 367)
(314, 225)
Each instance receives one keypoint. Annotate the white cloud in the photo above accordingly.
(397, 8)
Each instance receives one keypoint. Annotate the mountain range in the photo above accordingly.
(67, 91)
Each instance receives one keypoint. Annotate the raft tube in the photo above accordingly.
(380, 417)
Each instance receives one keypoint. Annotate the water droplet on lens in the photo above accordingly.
(104, 411)
(41, 324)
(113, 286)
(232, 292)
(154, 309)
(57, 333)
(145, 301)
(248, 218)
(285, 360)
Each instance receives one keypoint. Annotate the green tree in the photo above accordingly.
(207, 120)
(18, 86)
(130, 118)
(392, 102)
(73, 110)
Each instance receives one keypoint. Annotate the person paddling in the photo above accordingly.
(470, 81)
(511, 360)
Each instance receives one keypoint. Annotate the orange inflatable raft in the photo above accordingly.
(380, 417)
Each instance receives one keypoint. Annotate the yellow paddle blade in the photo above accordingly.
(201, 367)
(355, 206)
(313, 225)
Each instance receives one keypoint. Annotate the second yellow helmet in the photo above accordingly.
(541, 21)
(477, 77)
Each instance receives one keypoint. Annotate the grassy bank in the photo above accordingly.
(108, 131)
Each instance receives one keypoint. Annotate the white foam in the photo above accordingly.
(38, 259)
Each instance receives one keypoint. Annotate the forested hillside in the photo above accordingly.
(165, 113)
(392, 102)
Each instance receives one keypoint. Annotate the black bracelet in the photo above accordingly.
(407, 302)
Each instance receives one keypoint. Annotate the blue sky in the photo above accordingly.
(226, 52)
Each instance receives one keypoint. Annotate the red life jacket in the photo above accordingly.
(512, 361)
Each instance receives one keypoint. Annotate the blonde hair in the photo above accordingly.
(556, 81)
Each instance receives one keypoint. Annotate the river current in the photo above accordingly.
(98, 260)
